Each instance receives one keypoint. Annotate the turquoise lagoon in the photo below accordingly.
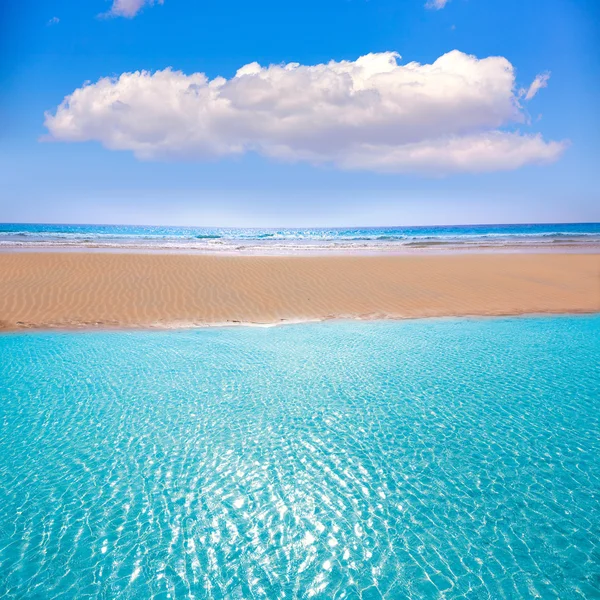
(419, 459)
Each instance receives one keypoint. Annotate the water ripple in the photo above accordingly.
(426, 459)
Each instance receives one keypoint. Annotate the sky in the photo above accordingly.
(320, 113)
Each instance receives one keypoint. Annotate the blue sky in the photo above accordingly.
(49, 49)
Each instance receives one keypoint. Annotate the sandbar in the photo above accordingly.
(42, 290)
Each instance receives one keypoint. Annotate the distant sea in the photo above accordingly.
(441, 458)
(213, 239)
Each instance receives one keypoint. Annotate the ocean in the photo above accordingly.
(209, 239)
(442, 458)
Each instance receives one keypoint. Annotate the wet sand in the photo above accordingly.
(79, 289)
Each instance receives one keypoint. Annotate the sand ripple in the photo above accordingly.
(124, 290)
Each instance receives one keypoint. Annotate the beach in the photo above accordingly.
(41, 290)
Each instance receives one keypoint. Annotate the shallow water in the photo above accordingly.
(418, 459)
(551, 236)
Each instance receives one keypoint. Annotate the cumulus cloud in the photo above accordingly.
(436, 4)
(541, 81)
(371, 113)
(490, 151)
(54, 21)
(129, 8)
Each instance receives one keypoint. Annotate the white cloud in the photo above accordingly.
(489, 151)
(541, 81)
(129, 8)
(371, 113)
(53, 21)
(436, 4)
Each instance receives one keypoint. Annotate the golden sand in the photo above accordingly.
(41, 290)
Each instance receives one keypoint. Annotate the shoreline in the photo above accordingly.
(87, 290)
(165, 327)
(335, 249)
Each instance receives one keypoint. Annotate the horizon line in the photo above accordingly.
(274, 227)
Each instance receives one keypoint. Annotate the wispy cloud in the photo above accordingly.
(53, 21)
(436, 4)
(129, 8)
(541, 81)
(455, 115)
